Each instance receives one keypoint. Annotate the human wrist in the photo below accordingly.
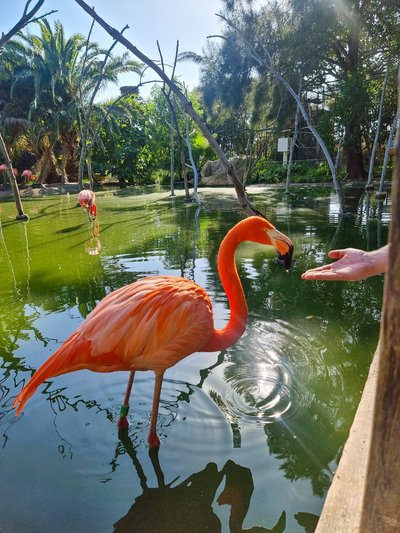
(379, 260)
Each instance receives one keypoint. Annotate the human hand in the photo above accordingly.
(352, 265)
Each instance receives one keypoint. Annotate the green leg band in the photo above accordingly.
(124, 410)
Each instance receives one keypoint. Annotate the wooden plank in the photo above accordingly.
(343, 506)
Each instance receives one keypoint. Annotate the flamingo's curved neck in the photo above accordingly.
(222, 338)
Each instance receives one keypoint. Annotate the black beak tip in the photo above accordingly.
(287, 258)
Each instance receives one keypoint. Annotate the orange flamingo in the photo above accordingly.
(157, 321)
(86, 199)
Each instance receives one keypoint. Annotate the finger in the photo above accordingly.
(322, 267)
(337, 254)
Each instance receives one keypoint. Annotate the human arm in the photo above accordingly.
(351, 265)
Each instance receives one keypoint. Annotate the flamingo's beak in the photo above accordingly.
(283, 245)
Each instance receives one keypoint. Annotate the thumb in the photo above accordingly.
(337, 254)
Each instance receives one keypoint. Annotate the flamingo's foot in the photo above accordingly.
(153, 440)
(122, 420)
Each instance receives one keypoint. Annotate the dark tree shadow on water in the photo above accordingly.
(188, 506)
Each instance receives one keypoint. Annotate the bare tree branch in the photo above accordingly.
(174, 121)
(27, 18)
(89, 112)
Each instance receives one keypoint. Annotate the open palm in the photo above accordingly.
(351, 265)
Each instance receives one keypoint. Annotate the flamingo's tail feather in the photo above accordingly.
(61, 362)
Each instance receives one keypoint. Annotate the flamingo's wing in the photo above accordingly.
(150, 324)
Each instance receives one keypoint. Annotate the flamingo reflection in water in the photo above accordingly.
(157, 321)
(188, 506)
(93, 245)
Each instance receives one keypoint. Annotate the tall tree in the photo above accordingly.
(341, 48)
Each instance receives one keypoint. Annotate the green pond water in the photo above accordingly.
(250, 436)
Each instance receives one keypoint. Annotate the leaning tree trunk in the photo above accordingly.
(13, 182)
(187, 106)
(266, 61)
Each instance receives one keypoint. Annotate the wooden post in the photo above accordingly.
(381, 508)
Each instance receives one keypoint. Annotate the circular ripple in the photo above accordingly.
(265, 394)
(263, 379)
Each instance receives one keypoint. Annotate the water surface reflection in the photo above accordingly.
(250, 436)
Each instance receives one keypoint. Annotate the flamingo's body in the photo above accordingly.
(4, 167)
(157, 321)
(27, 174)
(86, 199)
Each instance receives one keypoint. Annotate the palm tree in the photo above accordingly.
(62, 72)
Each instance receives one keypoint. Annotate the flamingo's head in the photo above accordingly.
(259, 229)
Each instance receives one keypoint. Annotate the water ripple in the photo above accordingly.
(262, 377)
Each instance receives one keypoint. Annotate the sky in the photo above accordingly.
(189, 21)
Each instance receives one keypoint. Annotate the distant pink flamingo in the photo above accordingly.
(157, 321)
(27, 174)
(4, 167)
(86, 199)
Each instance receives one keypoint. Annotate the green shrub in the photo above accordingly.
(302, 172)
(161, 177)
(267, 172)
